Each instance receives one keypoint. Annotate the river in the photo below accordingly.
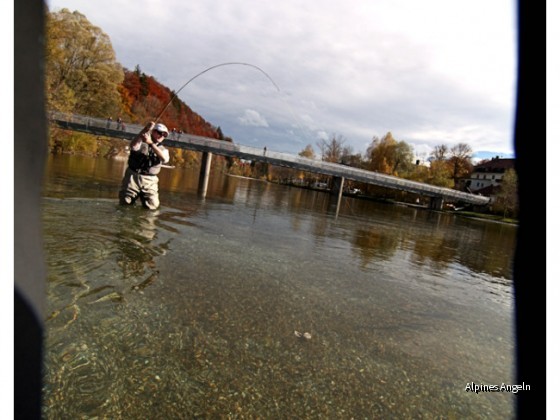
(201, 308)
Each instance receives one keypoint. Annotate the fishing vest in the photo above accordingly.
(144, 160)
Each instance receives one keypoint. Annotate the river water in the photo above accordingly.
(195, 310)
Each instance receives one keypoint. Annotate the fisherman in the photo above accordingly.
(144, 163)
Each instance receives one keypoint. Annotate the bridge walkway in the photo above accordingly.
(103, 127)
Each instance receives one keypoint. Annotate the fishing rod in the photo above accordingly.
(208, 69)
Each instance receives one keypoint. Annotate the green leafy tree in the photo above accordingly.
(82, 74)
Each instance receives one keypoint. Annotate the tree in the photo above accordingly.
(82, 74)
(308, 152)
(448, 166)
(508, 196)
(439, 153)
(350, 159)
(439, 174)
(331, 151)
(404, 158)
(389, 156)
(460, 161)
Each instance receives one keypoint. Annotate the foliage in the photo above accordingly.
(82, 74)
(440, 174)
(419, 173)
(460, 161)
(389, 156)
(507, 200)
(144, 98)
(449, 165)
(83, 77)
(73, 142)
(183, 158)
(308, 152)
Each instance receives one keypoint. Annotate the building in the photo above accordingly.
(488, 175)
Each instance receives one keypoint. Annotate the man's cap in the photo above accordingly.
(162, 129)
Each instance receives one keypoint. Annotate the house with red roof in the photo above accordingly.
(487, 176)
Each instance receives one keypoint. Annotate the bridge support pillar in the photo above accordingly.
(204, 173)
(337, 188)
(436, 203)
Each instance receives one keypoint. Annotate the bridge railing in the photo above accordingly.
(323, 167)
(329, 168)
(95, 122)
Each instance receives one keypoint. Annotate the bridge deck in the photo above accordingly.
(204, 144)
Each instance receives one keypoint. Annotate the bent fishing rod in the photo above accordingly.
(208, 69)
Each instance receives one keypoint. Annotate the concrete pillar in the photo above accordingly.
(205, 165)
(337, 185)
(337, 188)
(436, 203)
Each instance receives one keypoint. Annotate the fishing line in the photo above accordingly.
(208, 69)
(295, 119)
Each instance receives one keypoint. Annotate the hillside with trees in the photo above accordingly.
(83, 77)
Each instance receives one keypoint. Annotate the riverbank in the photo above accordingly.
(468, 214)
(486, 217)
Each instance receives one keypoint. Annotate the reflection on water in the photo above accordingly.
(190, 311)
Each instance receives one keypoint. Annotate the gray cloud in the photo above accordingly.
(357, 69)
(253, 118)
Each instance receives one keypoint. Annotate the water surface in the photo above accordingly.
(191, 311)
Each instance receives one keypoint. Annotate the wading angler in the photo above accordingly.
(144, 163)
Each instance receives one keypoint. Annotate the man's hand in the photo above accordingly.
(144, 135)
(148, 132)
(148, 138)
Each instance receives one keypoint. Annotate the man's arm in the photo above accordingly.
(142, 135)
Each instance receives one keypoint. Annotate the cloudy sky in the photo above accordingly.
(431, 72)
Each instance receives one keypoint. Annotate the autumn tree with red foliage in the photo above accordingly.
(144, 98)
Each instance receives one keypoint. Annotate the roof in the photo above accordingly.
(495, 165)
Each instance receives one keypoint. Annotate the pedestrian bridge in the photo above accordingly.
(209, 146)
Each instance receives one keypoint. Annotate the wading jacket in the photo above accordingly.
(144, 160)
